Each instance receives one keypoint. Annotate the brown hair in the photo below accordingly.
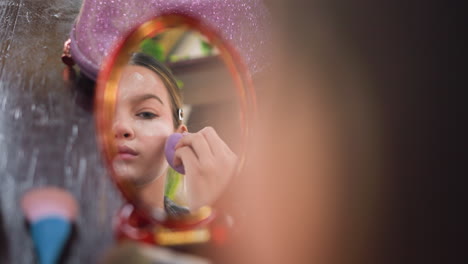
(144, 60)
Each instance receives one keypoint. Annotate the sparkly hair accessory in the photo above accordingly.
(100, 24)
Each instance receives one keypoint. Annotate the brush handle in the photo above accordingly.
(50, 235)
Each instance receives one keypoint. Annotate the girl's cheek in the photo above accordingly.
(152, 129)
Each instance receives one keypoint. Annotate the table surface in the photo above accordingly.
(47, 132)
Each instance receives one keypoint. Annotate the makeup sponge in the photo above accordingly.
(169, 149)
(50, 212)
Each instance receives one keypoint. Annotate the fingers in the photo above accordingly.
(216, 144)
(208, 163)
(206, 149)
(199, 145)
(186, 156)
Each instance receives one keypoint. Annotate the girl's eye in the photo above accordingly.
(146, 115)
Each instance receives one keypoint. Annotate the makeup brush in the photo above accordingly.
(50, 212)
(169, 149)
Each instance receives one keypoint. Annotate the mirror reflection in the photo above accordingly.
(176, 123)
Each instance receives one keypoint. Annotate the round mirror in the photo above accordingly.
(174, 107)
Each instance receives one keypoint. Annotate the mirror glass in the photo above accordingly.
(173, 108)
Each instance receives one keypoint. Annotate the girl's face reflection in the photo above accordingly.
(142, 123)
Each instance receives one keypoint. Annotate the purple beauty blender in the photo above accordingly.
(169, 149)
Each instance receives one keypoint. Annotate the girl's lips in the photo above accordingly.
(126, 153)
(126, 156)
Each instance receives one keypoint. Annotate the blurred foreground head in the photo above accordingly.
(302, 197)
(345, 166)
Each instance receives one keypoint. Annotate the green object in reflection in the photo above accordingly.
(173, 180)
(153, 48)
(180, 84)
(206, 48)
(176, 58)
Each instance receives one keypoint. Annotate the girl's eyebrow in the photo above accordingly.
(141, 98)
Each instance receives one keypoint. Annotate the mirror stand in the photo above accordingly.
(201, 228)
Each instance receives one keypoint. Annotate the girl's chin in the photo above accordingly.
(126, 170)
(122, 169)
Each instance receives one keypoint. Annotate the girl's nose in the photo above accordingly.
(123, 130)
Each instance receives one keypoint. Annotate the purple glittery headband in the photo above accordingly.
(101, 24)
